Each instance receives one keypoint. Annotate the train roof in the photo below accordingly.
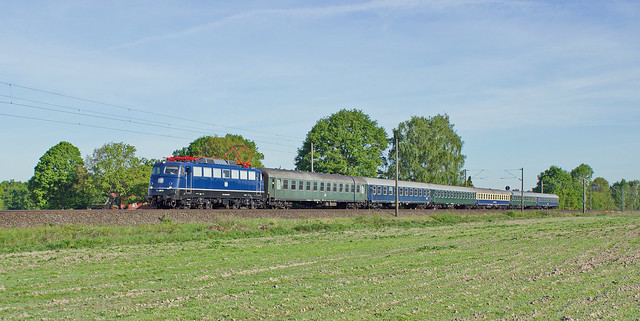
(492, 191)
(289, 174)
(391, 182)
(534, 194)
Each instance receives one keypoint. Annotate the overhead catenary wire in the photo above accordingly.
(60, 108)
(146, 112)
(114, 129)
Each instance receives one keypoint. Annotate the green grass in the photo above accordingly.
(549, 266)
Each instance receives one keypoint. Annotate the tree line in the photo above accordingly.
(578, 187)
(347, 142)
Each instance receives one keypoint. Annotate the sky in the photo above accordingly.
(526, 84)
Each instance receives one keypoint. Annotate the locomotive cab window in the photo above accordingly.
(171, 170)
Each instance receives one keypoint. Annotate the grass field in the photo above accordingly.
(489, 266)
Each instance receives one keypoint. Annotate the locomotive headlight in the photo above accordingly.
(160, 180)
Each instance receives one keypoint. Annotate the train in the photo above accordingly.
(206, 183)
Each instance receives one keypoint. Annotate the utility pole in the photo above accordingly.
(622, 191)
(541, 186)
(397, 166)
(584, 196)
(522, 189)
(312, 157)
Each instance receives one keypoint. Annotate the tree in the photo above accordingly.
(215, 146)
(118, 173)
(582, 172)
(558, 181)
(55, 174)
(601, 195)
(347, 142)
(429, 151)
(630, 190)
(15, 196)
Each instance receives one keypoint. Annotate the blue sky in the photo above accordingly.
(526, 83)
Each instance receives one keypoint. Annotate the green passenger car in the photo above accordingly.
(282, 187)
(530, 199)
(452, 196)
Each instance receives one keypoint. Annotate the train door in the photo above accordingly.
(188, 179)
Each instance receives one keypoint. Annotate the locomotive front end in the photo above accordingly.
(164, 184)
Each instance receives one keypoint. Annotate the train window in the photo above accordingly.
(279, 185)
(321, 186)
(335, 187)
(226, 173)
(315, 186)
(171, 170)
(406, 192)
(341, 187)
(252, 176)
(293, 185)
(243, 175)
(391, 190)
(379, 190)
(373, 190)
(384, 190)
(197, 171)
(217, 173)
(155, 170)
(207, 172)
(308, 186)
(235, 174)
(301, 185)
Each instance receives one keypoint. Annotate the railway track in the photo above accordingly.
(9, 219)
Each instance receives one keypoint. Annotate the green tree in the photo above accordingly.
(429, 151)
(631, 189)
(558, 181)
(581, 175)
(118, 174)
(55, 174)
(347, 142)
(14, 195)
(582, 172)
(215, 146)
(601, 195)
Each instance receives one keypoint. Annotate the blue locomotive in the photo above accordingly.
(187, 182)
